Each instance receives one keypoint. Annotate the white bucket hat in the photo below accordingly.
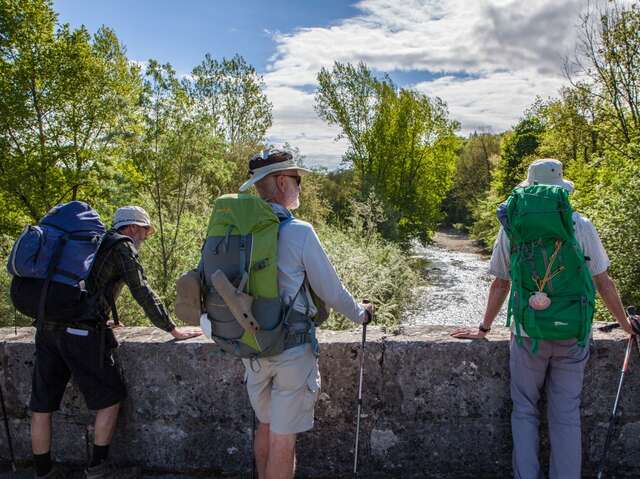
(547, 171)
(132, 215)
(270, 161)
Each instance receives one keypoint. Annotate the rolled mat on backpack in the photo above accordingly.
(189, 298)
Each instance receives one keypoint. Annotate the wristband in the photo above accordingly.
(483, 329)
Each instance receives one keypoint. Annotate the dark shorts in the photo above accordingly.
(61, 355)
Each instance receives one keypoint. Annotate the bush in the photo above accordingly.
(616, 216)
(371, 268)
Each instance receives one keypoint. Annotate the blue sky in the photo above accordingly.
(182, 32)
(487, 59)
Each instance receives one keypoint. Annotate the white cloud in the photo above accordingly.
(295, 122)
(514, 51)
(495, 100)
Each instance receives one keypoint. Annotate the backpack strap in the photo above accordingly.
(57, 254)
(109, 240)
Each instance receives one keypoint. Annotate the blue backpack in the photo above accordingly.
(52, 260)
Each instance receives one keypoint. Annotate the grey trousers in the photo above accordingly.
(558, 366)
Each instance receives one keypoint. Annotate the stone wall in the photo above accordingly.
(433, 406)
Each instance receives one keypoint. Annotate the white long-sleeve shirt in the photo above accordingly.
(300, 253)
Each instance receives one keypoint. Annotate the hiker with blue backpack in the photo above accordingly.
(550, 261)
(67, 273)
(266, 283)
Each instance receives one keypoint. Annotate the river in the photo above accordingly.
(457, 283)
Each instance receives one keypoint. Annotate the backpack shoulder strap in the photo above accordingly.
(109, 240)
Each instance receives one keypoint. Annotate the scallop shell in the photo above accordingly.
(539, 301)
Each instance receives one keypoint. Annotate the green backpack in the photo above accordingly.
(242, 243)
(546, 260)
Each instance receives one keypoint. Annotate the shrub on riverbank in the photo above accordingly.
(374, 269)
(370, 267)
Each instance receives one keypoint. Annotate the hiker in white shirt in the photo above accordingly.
(558, 364)
(283, 389)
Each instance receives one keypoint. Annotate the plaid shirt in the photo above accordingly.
(115, 267)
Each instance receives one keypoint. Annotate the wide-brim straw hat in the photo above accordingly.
(267, 162)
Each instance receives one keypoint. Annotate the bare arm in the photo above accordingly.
(609, 294)
(498, 292)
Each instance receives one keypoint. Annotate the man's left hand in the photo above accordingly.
(186, 333)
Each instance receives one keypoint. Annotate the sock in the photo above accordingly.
(42, 463)
(100, 454)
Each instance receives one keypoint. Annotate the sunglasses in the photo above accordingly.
(297, 177)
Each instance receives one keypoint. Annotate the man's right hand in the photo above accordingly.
(185, 333)
(370, 309)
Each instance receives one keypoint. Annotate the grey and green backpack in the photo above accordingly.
(242, 241)
(552, 293)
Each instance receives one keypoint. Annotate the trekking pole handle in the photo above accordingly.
(370, 314)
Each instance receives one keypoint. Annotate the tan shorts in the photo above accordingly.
(283, 389)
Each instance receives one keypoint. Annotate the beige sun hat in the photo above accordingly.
(132, 215)
(270, 161)
(547, 171)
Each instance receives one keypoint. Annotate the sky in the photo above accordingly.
(487, 59)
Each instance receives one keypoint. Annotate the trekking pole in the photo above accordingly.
(612, 419)
(8, 431)
(253, 440)
(364, 340)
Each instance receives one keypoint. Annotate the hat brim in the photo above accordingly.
(266, 171)
(152, 228)
(566, 184)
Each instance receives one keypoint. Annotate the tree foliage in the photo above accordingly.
(402, 145)
(65, 99)
(229, 96)
(518, 148)
(476, 161)
(593, 128)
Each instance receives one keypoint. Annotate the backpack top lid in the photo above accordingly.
(539, 212)
(244, 212)
(74, 217)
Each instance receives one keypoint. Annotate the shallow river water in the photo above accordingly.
(456, 291)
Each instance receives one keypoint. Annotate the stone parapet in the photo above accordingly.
(433, 406)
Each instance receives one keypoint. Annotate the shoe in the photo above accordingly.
(54, 473)
(106, 470)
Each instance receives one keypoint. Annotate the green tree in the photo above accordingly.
(609, 55)
(229, 96)
(65, 99)
(402, 145)
(518, 148)
(346, 96)
(174, 153)
(474, 165)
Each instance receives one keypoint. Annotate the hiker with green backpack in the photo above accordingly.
(266, 283)
(550, 261)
